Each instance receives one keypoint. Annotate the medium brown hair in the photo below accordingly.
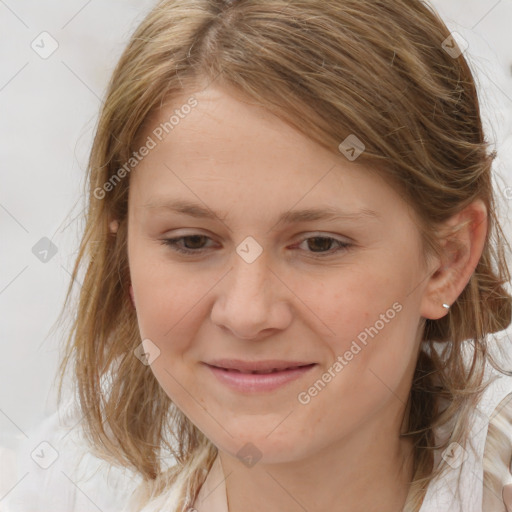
(376, 69)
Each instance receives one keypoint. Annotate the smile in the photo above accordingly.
(254, 381)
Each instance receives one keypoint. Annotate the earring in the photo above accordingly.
(447, 306)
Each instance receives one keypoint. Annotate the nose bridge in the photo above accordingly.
(247, 302)
(250, 278)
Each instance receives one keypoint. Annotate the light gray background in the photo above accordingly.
(48, 111)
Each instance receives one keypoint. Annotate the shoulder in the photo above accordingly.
(497, 457)
(52, 469)
(485, 463)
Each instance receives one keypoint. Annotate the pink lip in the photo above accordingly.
(249, 366)
(253, 382)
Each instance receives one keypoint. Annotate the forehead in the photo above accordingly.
(227, 146)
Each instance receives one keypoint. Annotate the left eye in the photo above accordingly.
(193, 244)
(324, 242)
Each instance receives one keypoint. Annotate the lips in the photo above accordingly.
(257, 367)
(262, 372)
(255, 377)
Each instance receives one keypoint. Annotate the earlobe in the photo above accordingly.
(114, 226)
(463, 240)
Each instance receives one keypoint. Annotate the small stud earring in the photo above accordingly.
(447, 306)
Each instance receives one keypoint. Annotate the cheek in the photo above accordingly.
(347, 302)
(167, 293)
(368, 323)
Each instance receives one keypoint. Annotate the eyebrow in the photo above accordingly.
(199, 211)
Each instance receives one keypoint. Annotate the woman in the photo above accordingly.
(302, 188)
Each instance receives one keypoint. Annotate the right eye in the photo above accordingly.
(195, 241)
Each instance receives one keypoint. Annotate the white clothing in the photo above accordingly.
(76, 481)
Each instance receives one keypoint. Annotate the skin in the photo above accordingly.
(342, 449)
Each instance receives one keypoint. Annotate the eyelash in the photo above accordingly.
(173, 244)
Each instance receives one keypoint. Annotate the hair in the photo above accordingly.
(498, 455)
(376, 69)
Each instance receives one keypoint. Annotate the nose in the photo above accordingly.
(251, 302)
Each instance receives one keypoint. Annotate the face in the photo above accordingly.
(260, 281)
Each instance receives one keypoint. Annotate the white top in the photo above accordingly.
(52, 470)
(61, 476)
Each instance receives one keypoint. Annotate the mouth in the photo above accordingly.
(258, 367)
(249, 379)
(263, 372)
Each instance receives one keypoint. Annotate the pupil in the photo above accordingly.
(324, 243)
(194, 238)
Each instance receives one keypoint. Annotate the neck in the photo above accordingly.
(369, 471)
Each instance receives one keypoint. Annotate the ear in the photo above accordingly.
(462, 240)
(113, 225)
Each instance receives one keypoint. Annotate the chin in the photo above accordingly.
(261, 448)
